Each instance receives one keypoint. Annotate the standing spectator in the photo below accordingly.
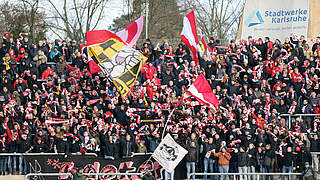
(243, 163)
(3, 159)
(148, 175)
(192, 158)
(12, 160)
(288, 162)
(268, 161)
(38, 58)
(303, 156)
(24, 146)
(223, 161)
(314, 148)
(127, 146)
(61, 67)
(40, 146)
(309, 173)
(252, 153)
(208, 159)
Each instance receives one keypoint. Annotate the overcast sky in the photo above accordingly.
(114, 9)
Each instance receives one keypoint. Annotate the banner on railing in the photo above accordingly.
(137, 164)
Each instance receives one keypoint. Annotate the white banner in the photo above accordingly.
(169, 153)
(276, 19)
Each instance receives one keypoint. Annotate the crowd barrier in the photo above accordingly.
(297, 115)
(87, 174)
(37, 154)
(237, 174)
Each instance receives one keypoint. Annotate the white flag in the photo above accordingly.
(169, 153)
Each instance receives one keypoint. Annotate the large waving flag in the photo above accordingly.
(132, 32)
(130, 35)
(120, 62)
(202, 91)
(189, 34)
(169, 153)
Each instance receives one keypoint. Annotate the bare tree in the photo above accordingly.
(73, 18)
(218, 18)
(34, 18)
(22, 16)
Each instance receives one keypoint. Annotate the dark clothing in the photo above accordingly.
(289, 159)
(269, 156)
(24, 146)
(243, 159)
(193, 155)
(127, 148)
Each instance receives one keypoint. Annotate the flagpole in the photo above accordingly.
(147, 14)
(171, 113)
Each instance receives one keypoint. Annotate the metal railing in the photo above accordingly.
(87, 174)
(237, 174)
(46, 154)
(297, 115)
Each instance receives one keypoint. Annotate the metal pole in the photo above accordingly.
(147, 14)
(289, 121)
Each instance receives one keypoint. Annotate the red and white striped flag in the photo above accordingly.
(202, 91)
(189, 34)
(132, 32)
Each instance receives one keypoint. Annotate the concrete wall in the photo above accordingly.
(11, 177)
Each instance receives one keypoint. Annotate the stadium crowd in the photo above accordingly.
(50, 102)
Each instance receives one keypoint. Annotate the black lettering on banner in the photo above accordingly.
(108, 44)
(103, 57)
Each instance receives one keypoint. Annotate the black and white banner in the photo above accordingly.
(169, 153)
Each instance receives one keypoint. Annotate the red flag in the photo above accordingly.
(132, 32)
(189, 34)
(202, 91)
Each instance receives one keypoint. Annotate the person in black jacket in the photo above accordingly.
(40, 146)
(253, 156)
(3, 159)
(12, 160)
(75, 145)
(243, 162)
(268, 161)
(303, 156)
(192, 158)
(288, 161)
(24, 146)
(208, 159)
(127, 146)
(109, 150)
(314, 147)
(120, 115)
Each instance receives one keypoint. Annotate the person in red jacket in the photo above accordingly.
(47, 72)
(148, 70)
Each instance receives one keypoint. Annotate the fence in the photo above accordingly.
(297, 115)
(87, 174)
(237, 174)
(37, 154)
